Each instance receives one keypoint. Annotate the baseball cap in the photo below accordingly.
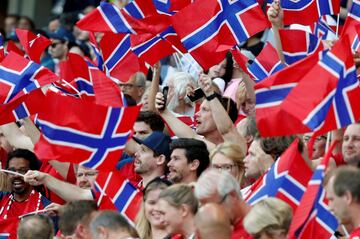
(62, 34)
(157, 142)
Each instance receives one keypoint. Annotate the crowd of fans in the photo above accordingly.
(193, 160)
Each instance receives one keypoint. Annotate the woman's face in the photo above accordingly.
(224, 163)
(172, 217)
(151, 212)
(218, 70)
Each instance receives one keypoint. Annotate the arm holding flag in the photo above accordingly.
(154, 87)
(66, 191)
(222, 120)
(275, 15)
(180, 129)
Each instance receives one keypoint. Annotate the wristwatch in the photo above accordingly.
(211, 97)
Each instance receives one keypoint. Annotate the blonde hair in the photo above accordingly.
(270, 216)
(142, 223)
(233, 152)
(180, 194)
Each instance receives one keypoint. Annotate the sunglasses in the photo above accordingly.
(54, 44)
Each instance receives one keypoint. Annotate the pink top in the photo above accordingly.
(231, 88)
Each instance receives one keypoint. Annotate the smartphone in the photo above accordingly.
(165, 93)
(198, 94)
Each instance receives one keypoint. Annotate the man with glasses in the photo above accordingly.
(189, 158)
(135, 86)
(222, 188)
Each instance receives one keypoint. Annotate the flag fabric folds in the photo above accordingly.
(329, 82)
(216, 26)
(109, 18)
(96, 134)
(34, 45)
(266, 63)
(125, 196)
(19, 76)
(313, 218)
(286, 179)
(352, 20)
(306, 12)
(298, 44)
(270, 94)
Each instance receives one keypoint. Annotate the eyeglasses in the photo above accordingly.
(87, 174)
(128, 85)
(307, 138)
(19, 170)
(225, 167)
(54, 44)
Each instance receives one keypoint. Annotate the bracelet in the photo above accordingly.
(211, 97)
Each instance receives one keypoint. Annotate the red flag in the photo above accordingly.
(298, 44)
(74, 130)
(8, 228)
(22, 107)
(240, 58)
(12, 47)
(34, 45)
(125, 196)
(313, 219)
(119, 61)
(216, 26)
(286, 179)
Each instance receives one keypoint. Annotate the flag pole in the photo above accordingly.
(11, 172)
(345, 231)
(105, 186)
(72, 87)
(337, 25)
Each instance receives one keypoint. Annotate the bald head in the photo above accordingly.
(212, 222)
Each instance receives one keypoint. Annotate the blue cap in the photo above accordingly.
(62, 34)
(157, 142)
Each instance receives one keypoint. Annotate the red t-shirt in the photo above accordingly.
(239, 232)
(355, 234)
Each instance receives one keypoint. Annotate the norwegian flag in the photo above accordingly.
(22, 107)
(91, 83)
(314, 219)
(322, 30)
(240, 59)
(286, 179)
(266, 63)
(97, 52)
(170, 7)
(78, 131)
(154, 48)
(8, 228)
(332, 91)
(125, 196)
(19, 76)
(306, 12)
(11, 46)
(298, 44)
(351, 21)
(76, 72)
(119, 60)
(108, 18)
(2, 50)
(270, 95)
(34, 45)
(216, 26)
